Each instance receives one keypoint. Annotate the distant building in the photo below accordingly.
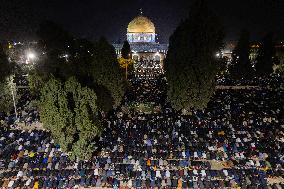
(141, 35)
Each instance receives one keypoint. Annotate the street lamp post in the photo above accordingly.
(126, 72)
(14, 102)
(12, 88)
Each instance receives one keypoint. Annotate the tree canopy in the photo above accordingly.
(76, 78)
(64, 56)
(6, 98)
(107, 72)
(94, 65)
(6, 82)
(191, 65)
(57, 46)
(52, 37)
(125, 51)
(6, 67)
(241, 64)
(70, 112)
(265, 58)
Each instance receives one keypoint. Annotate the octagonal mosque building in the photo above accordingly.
(141, 35)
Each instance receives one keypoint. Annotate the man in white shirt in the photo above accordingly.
(225, 172)
(20, 174)
(158, 174)
(195, 155)
(203, 173)
(168, 174)
(96, 172)
(129, 183)
(28, 182)
(11, 183)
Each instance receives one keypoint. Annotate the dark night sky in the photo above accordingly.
(93, 18)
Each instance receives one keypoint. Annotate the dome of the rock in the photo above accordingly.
(141, 24)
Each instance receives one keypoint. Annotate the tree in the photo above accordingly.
(125, 51)
(93, 65)
(123, 63)
(64, 57)
(57, 44)
(36, 81)
(6, 68)
(126, 61)
(278, 65)
(126, 65)
(266, 53)
(84, 58)
(70, 112)
(107, 73)
(52, 37)
(6, 97)
(191, 65)
(6, 82)
(241, 65)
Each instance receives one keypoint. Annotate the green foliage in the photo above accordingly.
(36, 82)
(69, 111)
(107, 72)
(6, 98)
(125, 51)
(83, 58)
(6, 84)
(123, 63)
(105, 100)
(241, 65)
(6, 68)
(191, 65)
(52, 37)
(278, 66)
(264, 60)
(55, 42)
(93, 65)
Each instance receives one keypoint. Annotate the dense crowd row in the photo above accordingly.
(275, 81)
(148, 69)
(147, 90)
(236, 142)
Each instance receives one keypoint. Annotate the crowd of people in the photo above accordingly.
(147, 90)
(274, 81)
(27, 113)
(237, 142)
(148, 69)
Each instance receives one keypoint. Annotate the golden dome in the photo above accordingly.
(141, 24)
